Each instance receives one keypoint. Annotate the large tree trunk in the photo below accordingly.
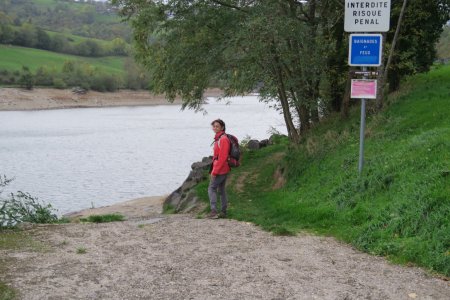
(391, 54)
(381, 79)
(281, 88)
(346, 99)
(304, 116)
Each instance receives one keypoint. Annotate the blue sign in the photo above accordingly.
(365, 50)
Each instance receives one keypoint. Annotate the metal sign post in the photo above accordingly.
(361, 131)
(365, 50)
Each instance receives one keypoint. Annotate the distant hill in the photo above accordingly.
(14, 57)
(62, 43)
(88, 19)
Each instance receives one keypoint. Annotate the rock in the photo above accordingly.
(79, 90)
(201, 165)
(208, 159)
(263, 143)
(253, 145)
(174, 199)
(187, 200)
(188, 184)
(195, 175)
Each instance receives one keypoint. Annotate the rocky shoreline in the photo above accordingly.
(184, 199)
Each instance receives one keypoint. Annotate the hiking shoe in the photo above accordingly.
(222, 215)
(212, 215)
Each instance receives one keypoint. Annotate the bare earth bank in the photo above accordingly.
(46, 98)
(155, 256)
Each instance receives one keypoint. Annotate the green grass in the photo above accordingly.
(103, 218)
(14, 239)
(81, 250)
(399, 207)
(12, 58)
(168, 209)
(6, 292)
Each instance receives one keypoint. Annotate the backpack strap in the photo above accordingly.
(218, 139)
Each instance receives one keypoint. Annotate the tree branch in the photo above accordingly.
(221, 3)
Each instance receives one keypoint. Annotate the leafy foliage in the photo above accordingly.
(292, 52)
(22, 207)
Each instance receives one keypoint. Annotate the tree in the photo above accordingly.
(26, 79)
(89, 48)
(411, 42)
(6, 34)
(25, 36)
(278, 46)
(43, 39)
(294, 52)
(58, 43)
(119, 47)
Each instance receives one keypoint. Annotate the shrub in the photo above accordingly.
(26, 79)
(103, 218)
(105, 83)
(22, 207)
(59, 83)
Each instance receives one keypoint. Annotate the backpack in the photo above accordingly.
(234, 156)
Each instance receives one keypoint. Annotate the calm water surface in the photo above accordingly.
(76, 158)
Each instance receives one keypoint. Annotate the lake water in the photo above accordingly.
(78, 158)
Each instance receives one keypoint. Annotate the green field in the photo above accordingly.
(75, 39)
(12, 58)
(399, 207)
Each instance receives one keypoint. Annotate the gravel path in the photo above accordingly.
(180, 257)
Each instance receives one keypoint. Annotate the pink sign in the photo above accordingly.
(364, 88)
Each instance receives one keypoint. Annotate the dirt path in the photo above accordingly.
(179, 257)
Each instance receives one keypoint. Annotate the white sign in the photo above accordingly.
(367, 15)
(363, 89)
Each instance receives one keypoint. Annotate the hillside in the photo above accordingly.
(14, 57)
(64, 43)
(399, 207)
(93, 19)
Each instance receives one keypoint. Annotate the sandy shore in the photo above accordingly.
(154, 256)
(132, 209)
(45, 98)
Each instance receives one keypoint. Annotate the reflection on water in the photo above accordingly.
(76, 158)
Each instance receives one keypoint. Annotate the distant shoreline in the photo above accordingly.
(12, 99)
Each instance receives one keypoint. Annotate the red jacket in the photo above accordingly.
(220, 156)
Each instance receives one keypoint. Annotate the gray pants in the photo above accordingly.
(218, 185)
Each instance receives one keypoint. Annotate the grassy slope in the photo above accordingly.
(14, 57)
(399, 207)
(75, 39)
